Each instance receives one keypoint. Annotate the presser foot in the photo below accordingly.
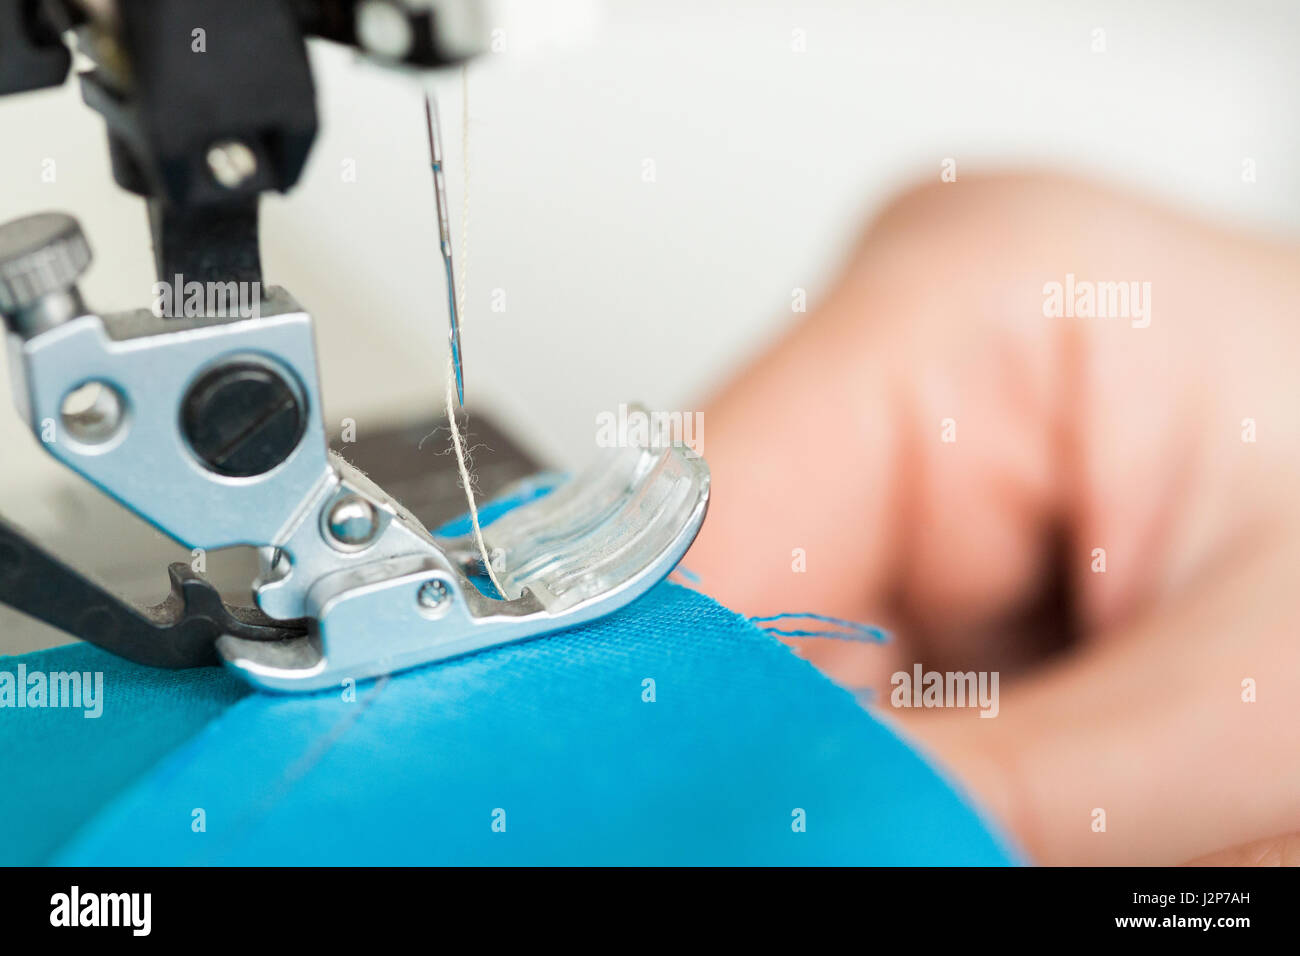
(585, 550)
(210, 427)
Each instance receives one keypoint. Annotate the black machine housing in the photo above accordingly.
(175, 78)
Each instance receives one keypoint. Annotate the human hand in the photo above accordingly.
(1171, 443)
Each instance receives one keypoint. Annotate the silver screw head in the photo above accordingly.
(231, 163)
(352, 521)
(433, 595)
(384, 29)
(39, 255)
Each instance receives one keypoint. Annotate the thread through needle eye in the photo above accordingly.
(434, 124)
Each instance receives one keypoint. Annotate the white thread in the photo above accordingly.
(457, 442)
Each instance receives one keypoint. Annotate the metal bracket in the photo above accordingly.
(211, 429)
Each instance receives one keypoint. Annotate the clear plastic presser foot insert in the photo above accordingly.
(585, 550)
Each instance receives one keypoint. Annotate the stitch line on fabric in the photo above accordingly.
(319, 747)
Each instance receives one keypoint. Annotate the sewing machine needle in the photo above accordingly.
(434, 124)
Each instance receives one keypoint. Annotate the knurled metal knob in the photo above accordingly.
(39, 255)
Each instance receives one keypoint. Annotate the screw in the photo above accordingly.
(242, 419)
(352, 520)
(433, 595)
(231, 163)
(41, 257)
(384, 29)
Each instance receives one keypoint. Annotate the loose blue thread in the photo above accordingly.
(848, 630)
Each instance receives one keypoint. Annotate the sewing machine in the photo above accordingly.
(202, 414)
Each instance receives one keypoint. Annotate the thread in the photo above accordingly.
(462, 461)
(843, 630)
(457, 440)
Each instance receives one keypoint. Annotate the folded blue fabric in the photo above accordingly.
(672, 732)
(60, 767)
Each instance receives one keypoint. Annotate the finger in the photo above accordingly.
(1273, 851)
(802, 450)
(1176, 735)
(833, 456)
(918, 450)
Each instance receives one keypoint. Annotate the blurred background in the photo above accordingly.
(649, 183)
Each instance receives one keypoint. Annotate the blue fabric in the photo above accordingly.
(60, 768)
(555, 738)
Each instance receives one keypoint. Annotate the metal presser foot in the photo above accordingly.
(587, 549)
(211, 429)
